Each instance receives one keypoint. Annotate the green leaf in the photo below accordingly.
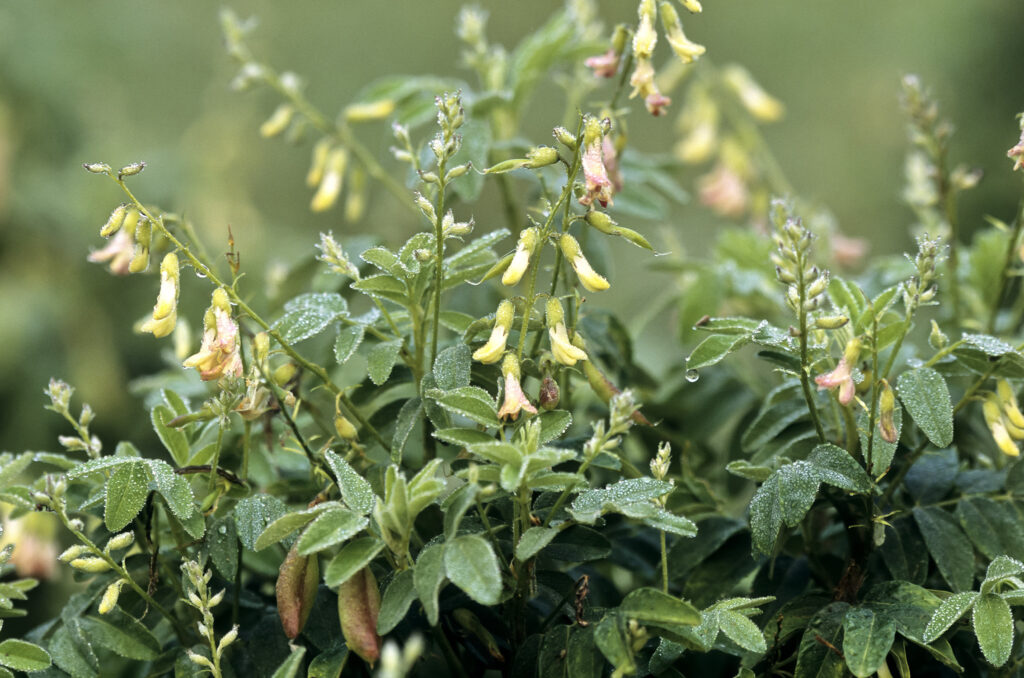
(836, 467)
(624, 496)
(455, 507)
(94, 465)
(355, 490)
(348, 341)
(533, 540)
(123, 635)
(69, 656)
(651, 606)
(471, 565)
(353, 557)
(949, 547)
(175, 490)
(471, 402)
(308, 315)
(1003, 566)
(815, 659)
(610, 637)
(993, 625)
(770, 422)
(253, 515)
(925, 395)
(714, 349)
(289, 523)
(23, 656)
(331, 527)
(410, 415)
(396, 601)
(329, 663)
(383, 286)
(127, 489)
(174, 439)
(223, 545)
(451, 369)
(428, 577)
(463, 437)
(867, 637)
(742, 631)
(381, 360)
(979, 529)
(948, 613)
(289, 668)
(553, 424)
(786, 496)
(661, 519)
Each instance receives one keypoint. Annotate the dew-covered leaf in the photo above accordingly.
(352, 558)
(867, 637)
(381, 360)
(948, 546)
(355, 490)
(993, 626)
(253, 515)
(470, 564)
(348, 341)
(950, 611)
(21, 655)
(127, 489)
(309, 314)
(330, 528)
(398, 596)
(471, 402)
(924, 393)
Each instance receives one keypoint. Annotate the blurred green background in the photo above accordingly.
(119, 82)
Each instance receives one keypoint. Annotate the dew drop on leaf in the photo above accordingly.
(692, 375)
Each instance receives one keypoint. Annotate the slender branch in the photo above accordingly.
(1004, 273)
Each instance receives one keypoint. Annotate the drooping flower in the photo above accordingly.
(330, 184)
(687, 50)
(643, 85)
(521, 259)
(758, 102)
(599, 186)
(724, 191)
(604, 65)
(1017, 152)
(698, 127)
(561, 347)
(257, 399)
(997, 426)
(119, 251)
(515, 399)
(218, 355)
(491, 351)
(842, 376)
(165, 313)
(589, 278)
(611, 162)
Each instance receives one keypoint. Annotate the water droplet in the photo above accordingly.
(223, 529)
(692, 375)
(200, 274)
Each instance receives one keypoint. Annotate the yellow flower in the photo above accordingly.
(759, 103)
(685, 49)
(165, 313)
(491, 351)
(330, 185)
(590, 279)
(997, 426)
(561, 347)
(521, 260)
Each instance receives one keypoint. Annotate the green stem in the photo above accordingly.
(664, 563)
(179, 630)
(948, 199)
(1004, 273)
(438, 258)
(805, 379)
(211, 483)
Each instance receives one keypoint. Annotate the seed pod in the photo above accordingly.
(358, 608)
(344, 428)
(297, 582)
(131, 170)
(97, 167)
(565, 137)
(887, 408)
(549, 394)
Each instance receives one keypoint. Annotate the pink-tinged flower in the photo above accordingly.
(604, 65)
(611, 163)
(515, 399)
(35, 548)
(1017, 152)
(842, 376)
(848, 252)
(599, 186)
(643, 84)
(656, 103)
(218, 355)
(119, 251)
(724, 191)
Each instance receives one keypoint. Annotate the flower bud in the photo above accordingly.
(566, 138)
(97, 167)
(114, 222)
(937, 337)
(831, 322)
(73, 553)
(139, 262)
(591, 280)
(199, 659)
(355, 202)
(528, 239)
(358, 609)
(887, 409)
(110, 596)
(131, 170)
(541, 156)
(228, 638)
(321, 151)
(283, 374)
(344, 428)
(120, 541)
(457, 171)
(372, 110)
(549, 394)
(278, 121)
(90, 564)
(260, 346)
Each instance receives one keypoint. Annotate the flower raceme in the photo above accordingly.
(561, 347)
(590, 279)
(165, 313)
(218, 355)
(492, 351)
